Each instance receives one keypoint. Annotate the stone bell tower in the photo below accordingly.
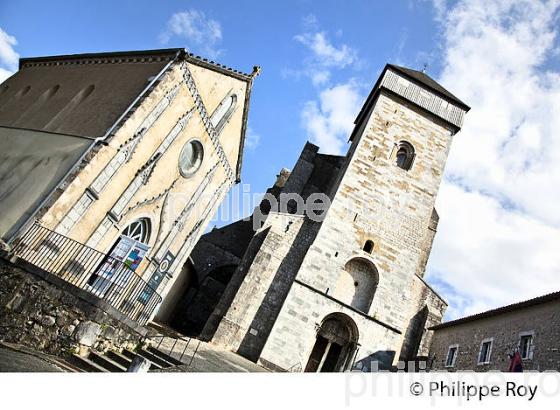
(357, 294)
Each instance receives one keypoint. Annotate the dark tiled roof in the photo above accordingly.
(428, 81)
(82, 94)
(85, 94)
(501, 310)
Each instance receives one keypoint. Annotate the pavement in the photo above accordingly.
(209, 358)
(200, 356)
(17, 359)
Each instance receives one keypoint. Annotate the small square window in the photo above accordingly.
(525, 345)
(451, 356)
(485, 351)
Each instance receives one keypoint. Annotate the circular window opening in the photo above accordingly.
(190, 159)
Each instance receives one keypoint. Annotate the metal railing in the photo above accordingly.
(177, 348)
(88, 269)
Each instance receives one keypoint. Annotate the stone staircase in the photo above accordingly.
(162, 351)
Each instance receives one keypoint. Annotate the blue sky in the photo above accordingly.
(499, 232)
(252, 33)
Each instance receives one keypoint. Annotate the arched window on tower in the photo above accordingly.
(223, 112)
(368, 246)
(405, 155)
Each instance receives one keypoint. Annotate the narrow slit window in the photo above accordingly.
(223, 112)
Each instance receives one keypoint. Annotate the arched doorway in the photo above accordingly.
(123, 258)
(335, 344)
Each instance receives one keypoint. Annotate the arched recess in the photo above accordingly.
(186, 279)
(357, 284)
(335, 344)
(199, 301)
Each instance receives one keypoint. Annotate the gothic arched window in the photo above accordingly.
(405, 155)
(138, 230)
(368, 246)
(223, 112)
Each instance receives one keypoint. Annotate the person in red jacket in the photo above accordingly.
(516, 364)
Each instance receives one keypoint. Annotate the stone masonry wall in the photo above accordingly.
(506, 329)
(43, 316)
(379, 201)
(426, 310)
(247, 323)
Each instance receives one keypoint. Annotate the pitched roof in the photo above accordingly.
(86, 94)
(501, 310)
(423, 78)
(81, 94)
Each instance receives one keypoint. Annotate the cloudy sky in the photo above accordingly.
(499, 234)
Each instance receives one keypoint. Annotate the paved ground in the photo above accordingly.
(208, 358)
(22, 361)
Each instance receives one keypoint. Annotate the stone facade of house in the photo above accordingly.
(532, 327)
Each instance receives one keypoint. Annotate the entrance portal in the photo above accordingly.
(334, 348)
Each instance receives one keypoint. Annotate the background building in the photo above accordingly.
(484, 341)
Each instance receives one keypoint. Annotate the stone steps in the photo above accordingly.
(119, 358)
(152, 357)
(129, 355)
(167, 354)
(87, 365)
(106, 362)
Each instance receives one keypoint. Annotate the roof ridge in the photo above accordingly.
(112, 57)
(425, 79)
(102, 57)
(502, 309)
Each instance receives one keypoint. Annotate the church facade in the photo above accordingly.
(345, 291)
(112, 164)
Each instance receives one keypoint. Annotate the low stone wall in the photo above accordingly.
(42, 312)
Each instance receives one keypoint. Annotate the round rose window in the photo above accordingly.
(190, 159)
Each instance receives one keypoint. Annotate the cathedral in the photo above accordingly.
(345, 292)
(113, 164)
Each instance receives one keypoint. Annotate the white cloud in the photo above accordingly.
(8, 56)
(325, 53)
(322, 54)
(499, 233)
(330, 120)
(196, 30)
(252, 140)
